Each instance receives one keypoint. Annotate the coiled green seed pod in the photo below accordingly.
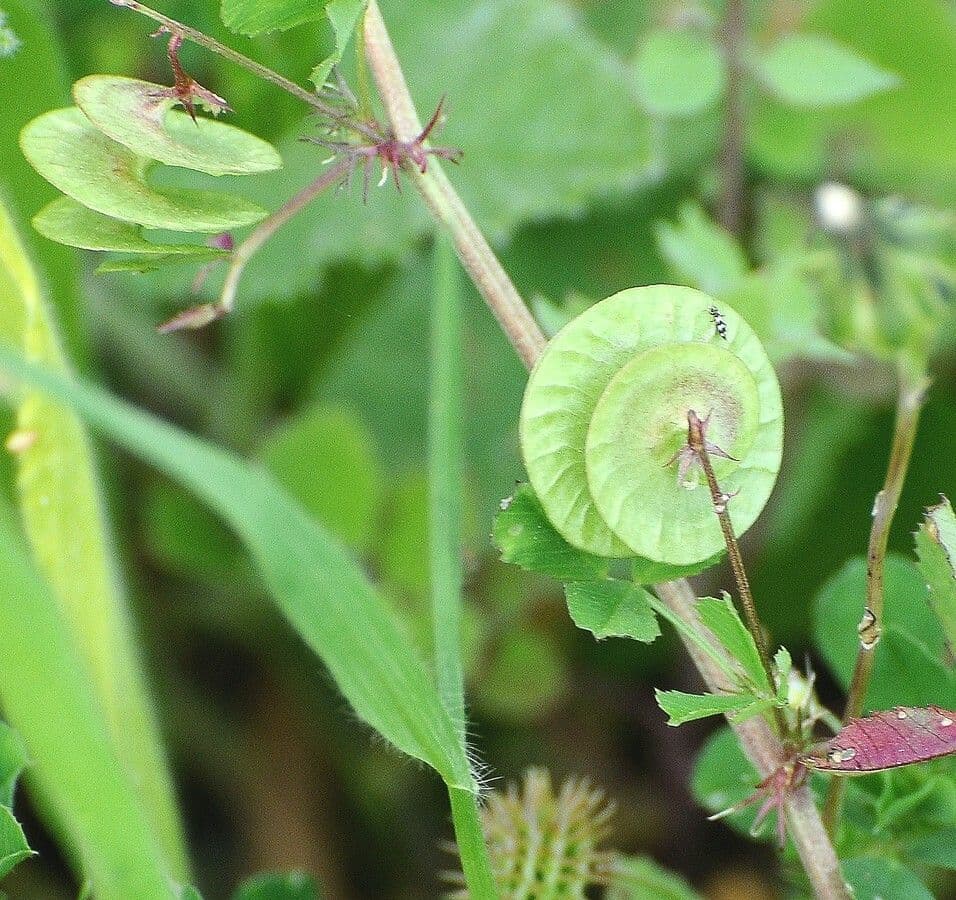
(605, 413)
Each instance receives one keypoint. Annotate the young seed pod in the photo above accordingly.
(605, 414)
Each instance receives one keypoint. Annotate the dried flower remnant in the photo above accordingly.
(185, 89)
(381, 144)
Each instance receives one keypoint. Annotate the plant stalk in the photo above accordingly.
(445, 483)
(443, 201)
(697, 443)
(761, 746)
(240, 59)
(767, 755)
(909, 404)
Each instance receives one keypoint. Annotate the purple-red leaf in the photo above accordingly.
(885, 740)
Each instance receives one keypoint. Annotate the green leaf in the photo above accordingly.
(47, 694)
(153, 262)
(679, 72)
(702, 252)
(44, 69)
(526, 538)
(13, 758)
(612, 609)
(315, 583)
(723, 620)
(70, 153)
(524, 678)
(324, 457)
(14, 848)
(723, 777)
(879, 878)
(343, 15)
(255, 17)
(936, 548)
(284, 886)
(640, 878)
(63, 513)
(814, 70)
(681, 707)
(908, 670)
(68, 222)
(137, 115)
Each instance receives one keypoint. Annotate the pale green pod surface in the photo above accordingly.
(606, 410)
(67, 222)
(139, 116)
(70, 153)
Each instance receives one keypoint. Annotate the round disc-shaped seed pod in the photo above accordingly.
(605, 413)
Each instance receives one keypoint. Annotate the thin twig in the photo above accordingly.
(767, 755)
(240, 59)
(198, 316)
(443, 201)
(759, 743)
(908, 406)
(731, 206)
(697, 443)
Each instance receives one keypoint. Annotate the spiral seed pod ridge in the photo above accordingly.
(605, 415)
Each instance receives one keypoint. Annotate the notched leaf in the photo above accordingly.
(886, 740)
(612, 609)
(139, 115)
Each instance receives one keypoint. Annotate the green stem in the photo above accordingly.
(696, 441)
(443, 201)
(445, 480)
(471, 845)
(909, 403)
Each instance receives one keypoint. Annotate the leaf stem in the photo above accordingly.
(198, 316)
(762, 747)
(445, 478)
(767, 754)
(240, 59)
(697, 443)
(909, 403)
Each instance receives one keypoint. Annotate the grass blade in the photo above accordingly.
(62, 512)
(314, 581)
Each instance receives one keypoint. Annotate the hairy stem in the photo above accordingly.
(234, 56)
(730, 211)
(909, 403)
(761, 746)
(443, 201)
(697, 443)
(445, 481)
(767, 754)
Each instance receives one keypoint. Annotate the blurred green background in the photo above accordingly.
(322, 376)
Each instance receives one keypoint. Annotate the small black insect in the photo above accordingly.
(720, 323)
